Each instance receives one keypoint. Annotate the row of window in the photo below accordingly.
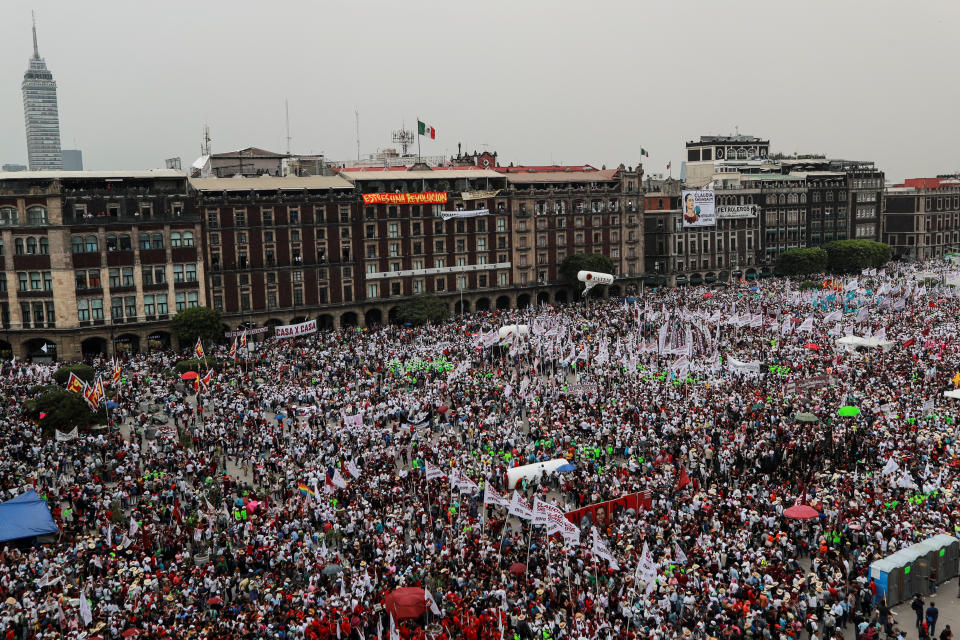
(29, 246)
(35, 215)
(121, 242)
(396, 287)
(36, 315)
(34, 281)
(153, 305)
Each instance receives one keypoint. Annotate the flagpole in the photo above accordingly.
(418, 139)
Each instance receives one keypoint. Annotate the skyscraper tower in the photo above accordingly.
(40, 113)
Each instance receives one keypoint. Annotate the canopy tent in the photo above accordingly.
(26, 516)
(852, 342)
(513, 329)
(533, 471)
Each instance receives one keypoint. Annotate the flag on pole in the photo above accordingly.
(338, 480)
(199, 349)
(428, 598)
(601, 550)
(233, 350)
(668, 166)
(683, 478)
(116, 372)
(134, 527)
(85, 614)
(520, 507)
(434, 472)
(243, 339)
(644, 152)
(490, 496)
(75, 383)
(679, 554)
(426, 130)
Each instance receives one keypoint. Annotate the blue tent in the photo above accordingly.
(26, 516)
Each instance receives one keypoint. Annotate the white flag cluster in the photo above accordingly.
(601, 550)
(434, 472)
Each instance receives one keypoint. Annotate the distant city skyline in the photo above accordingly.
(40, 113)
(537, 91)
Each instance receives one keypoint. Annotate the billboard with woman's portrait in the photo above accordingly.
(698, 208)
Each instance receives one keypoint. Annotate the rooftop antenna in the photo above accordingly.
(36, 51)
(403, 138)
(205, 147)
(286, 106)
(357, 116)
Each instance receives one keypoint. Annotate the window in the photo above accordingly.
(481, 225)
(417, 229)
(438, 246)
(96, 309)
(80, 277)
(181, 300)
(501, 224)
(481, 244)
(177, 273)
(441, 284)
(144, 241)
(190, 272)
(439, 263)
(502, 278)
(187, 239)
(8, 216)
(267, 216)
(297, 296)
(438, 228)
(23, 280)
(35, 280)
(93, 279)
(239, 219)
(125, 242)
(37, 215)
(83, 310)
(395, 288)
(394, 249)
(47, 281)
(116, 309)
(157, 240)
(114, 278)
(91, 244)
(76, 244)
(176, 239)
(393, 230)
(130, 303)
(214, 239)
(461, 282)
(18, 246)
(111, 242)
(162, 304)
(51, 313)
(127, 274)
(31, 246)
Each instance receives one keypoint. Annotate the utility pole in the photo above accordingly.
(286, 106)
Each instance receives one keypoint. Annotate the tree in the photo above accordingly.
(852, 256)
(82, 371)
(197, 322)
(801, 262)
(422, 309)
(196, 364)
(64, 410)
(577, 262)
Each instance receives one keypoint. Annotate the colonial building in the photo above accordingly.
(562, 210)
(678, 255)
(921, 218)
(445, 231)
(95, 261)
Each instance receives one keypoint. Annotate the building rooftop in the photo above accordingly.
(402, 173)
(270, 183)
(249, 152)
(727, 139)
(549, 168)
(79, 175)
(605, 175)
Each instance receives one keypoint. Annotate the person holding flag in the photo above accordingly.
(198, 349)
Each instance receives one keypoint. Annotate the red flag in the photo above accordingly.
(683, 479)
(909, 343)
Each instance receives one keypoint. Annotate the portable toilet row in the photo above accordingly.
(907, 572)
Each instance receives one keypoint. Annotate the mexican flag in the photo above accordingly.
(643, 152)
(425, 130)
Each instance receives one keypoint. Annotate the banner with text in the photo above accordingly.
(430, 197)
(698, 208)
(479, 195)
(737, 212)
(472, 213)
(294, 330)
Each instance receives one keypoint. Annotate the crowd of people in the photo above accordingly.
(353, 483)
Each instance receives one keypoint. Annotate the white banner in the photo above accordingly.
(294, 330)
(470, 213)
(68, 436)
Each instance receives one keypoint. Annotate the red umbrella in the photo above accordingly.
(406, 603)
(517, 568)
(443, 408)
(812, 346)
(708, 295)
(130, 633)
(215, 600)
(801, 512)
(189, 375)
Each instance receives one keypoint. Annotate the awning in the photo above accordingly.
(711, 278)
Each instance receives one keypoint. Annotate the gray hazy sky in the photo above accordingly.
(536, 80)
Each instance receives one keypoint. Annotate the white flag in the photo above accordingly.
(134, 527)
(394, 634)
(85, 614)
(679, 554)
(352, 469)
(490, 496)
(428, 597)
(890, 467)
(520, 507)
(338, 480)
(806, 325)
(434, 472)
(601, 550)
(647, 569)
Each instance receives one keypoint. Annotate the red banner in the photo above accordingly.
(430, 197)
(630, 501)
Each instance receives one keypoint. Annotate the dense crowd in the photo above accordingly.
(316, 476)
